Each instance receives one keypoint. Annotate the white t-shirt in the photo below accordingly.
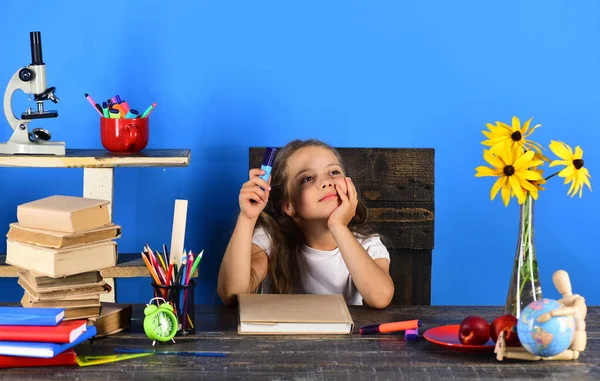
(324, 271)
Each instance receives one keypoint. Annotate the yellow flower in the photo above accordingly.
(512, 168)
(539, 156)
(502, 135)
(541, 181)
(574, 171)
(538, 183)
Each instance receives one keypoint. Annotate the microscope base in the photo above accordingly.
(39, 148)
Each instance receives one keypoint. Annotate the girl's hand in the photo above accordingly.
(252, 198)
(344, 213)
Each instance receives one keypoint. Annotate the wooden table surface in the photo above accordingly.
(356, 357)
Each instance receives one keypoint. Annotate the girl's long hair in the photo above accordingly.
(286, 236)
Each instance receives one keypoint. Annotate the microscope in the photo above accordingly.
(31, 80)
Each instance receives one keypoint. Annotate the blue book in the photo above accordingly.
(42, 350)
(31, 316)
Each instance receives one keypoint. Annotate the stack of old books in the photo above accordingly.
(60, 243)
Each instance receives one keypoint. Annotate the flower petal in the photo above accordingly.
(499, 146)
(560, 162)
(567, 171)
(574, 186)
(527, 185)
(493, 160)
(569, 178)
(516, 186)
(501, 131)
(496, 187)
(530, 175)
(580, 178)
(524, 161)
(506, 192)
(532, 129)
(516, 150)
(561, 150)
(499, 138)
(526, 126)
(487, 134)
(578, 153)
(487, 171)
(535, 146)
(534, 193)
(516, 124)
(505, 155)
(536, 163)
(585, 173)
(504, 126)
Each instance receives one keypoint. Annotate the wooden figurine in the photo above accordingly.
(573, 304)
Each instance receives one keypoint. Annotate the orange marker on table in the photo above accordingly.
(390, 327)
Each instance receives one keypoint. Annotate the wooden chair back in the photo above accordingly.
(397, 187)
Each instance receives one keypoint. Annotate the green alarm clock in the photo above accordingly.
(160, 322)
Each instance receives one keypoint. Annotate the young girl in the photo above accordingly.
(308, 240)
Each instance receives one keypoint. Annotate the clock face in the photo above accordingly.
(162, 324)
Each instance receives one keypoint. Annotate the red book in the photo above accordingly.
(65, 332)
(66, 358)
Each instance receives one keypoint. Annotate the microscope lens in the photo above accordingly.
(36, 48)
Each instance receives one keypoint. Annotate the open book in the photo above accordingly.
(293, 314)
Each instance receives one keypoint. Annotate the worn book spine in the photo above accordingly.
(114, 318)
(62, 220)
(43, 282)
(26, 301)
(82, 313)
(58, 240)
(58, 263)
(90, 291)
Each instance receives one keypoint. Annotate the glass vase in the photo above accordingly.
(525, 284)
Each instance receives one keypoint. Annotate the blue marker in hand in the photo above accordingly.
(267, 163)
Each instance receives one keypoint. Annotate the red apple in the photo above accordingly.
(508, 324)
(474, 330)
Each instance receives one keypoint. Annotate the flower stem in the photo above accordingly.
(551, 176)
(524, 286)
(525, 260)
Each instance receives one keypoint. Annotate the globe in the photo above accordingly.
(549, 338)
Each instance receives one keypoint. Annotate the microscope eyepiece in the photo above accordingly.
(36, 48)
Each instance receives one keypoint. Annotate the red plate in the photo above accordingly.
(447, 336)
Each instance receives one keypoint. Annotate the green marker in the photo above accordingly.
(148, 110)
(105, 110)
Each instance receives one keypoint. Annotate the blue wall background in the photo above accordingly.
(227, 75)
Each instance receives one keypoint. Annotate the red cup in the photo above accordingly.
(121, 135)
